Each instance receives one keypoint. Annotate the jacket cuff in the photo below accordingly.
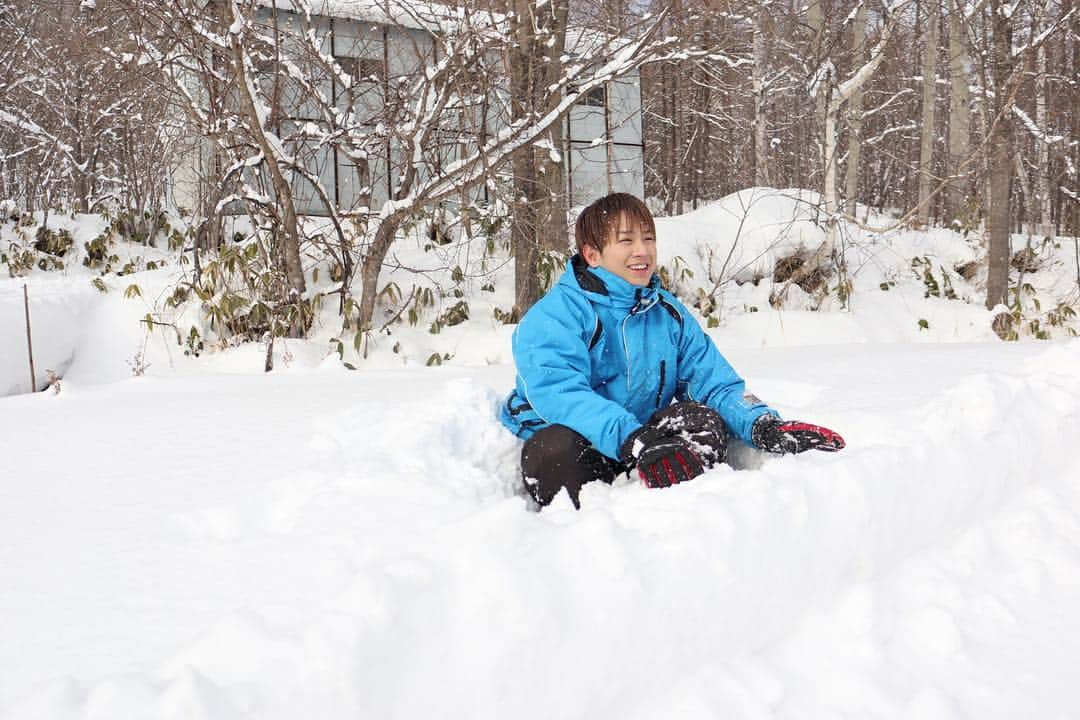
(631, 447)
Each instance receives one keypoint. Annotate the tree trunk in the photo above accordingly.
(678, 140)
(551, 178)
(984, 119)
(837, 96)
(959, 113)
(609, 145)
(761, 163)
(1024, 211)
(928, 131)
(552, 202)
(290, 251)
(815, 19)
(371, 266)
(696, 143)
(832, 199)
(1001, 159)
(666, 151)
(858, 39)
(1046, 227)
(523, 233)
(539, 214)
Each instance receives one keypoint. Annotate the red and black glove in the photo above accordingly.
(772, 434)
(661, 459)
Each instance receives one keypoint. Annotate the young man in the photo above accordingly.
(600, 359)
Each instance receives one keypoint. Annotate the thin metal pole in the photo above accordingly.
(29, 341)
(1076, 246)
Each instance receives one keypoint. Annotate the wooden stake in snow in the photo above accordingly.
(29, 341)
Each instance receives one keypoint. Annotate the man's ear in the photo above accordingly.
(591, 255)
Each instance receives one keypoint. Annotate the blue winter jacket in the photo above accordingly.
(600, 356)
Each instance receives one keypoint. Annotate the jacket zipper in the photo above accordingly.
(626, 349)
(660, 389)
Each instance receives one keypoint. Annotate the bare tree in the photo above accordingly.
(1000, 139)
(836, 97)
(439, 120)
(1011, 49)
(928, 127)
(854, 114)
(760, 89)
(822, 76)
(959, 141)
(1046, 226)
(269, 143)
(700, 106)
(73, 111)
(538, 34)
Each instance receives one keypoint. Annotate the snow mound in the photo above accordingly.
(334, 544)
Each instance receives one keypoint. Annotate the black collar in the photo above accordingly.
(585, 279)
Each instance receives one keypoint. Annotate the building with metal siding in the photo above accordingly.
(602, 135)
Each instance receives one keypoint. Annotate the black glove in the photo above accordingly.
(772, 434)
(661, 459)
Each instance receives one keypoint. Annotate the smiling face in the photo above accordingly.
(630, 251)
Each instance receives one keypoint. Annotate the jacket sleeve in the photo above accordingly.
(554, 367)
(709, 379)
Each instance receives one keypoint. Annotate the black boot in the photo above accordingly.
(556, 458)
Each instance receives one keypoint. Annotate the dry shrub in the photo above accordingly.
(792, 268)
(967, 270)
(1004, 326)
(1025, 260)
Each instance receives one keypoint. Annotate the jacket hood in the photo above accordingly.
(605, 287)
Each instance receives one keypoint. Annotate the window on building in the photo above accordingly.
(597, 97)
(362, 69)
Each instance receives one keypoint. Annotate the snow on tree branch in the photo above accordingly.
(1034, 129)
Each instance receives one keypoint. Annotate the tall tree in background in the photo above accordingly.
(1046, 224)
(700, 106)
(444, 84)
(538, 40)
(211, 59)
(958, 168)
(855, 112)
(836, 97)
(743, 73)
(73, 112)
(760, 89)
(257, 121)
(928, 131)
(820, 82)
(1000, 143)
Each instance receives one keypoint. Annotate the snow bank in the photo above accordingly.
(205, 541)
(729, 250)
(77, 330)
(57, 314)
(82, 334)
(334, 544)
(726, 250)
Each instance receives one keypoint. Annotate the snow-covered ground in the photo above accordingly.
(208, 541)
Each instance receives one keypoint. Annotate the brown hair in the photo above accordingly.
(596, 222)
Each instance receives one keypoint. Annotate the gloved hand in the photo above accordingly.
(661, 459)
(772, 434)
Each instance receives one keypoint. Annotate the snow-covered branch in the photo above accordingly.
(1033, 128)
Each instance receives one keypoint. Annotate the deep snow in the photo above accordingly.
(207, 541)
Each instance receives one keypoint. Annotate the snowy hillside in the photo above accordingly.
(206, 541)
(905, 286)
